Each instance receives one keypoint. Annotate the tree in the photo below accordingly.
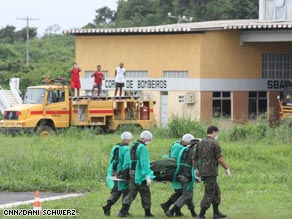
(138, 13)
(105, 17)
(21, 34)
(7, 34)
(154, 12)
(53, 29)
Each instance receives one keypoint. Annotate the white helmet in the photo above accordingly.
(146, 135)
(188, 138)
(126, 136)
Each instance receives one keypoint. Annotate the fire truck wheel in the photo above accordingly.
(45, 130)
(99, 131)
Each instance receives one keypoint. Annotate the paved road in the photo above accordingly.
(13, 199)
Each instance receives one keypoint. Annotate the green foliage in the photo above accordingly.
(283, 132)
(154, 12)
(51, 54)
(9, 35)
(178, 126)
(233, 9)
(105, 17)
(130, 128)
(250, 131)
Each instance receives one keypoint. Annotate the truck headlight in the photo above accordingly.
(19, 124)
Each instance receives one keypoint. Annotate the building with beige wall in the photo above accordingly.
(232, 69)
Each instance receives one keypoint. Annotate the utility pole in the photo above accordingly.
(27, 36)
(179, 18)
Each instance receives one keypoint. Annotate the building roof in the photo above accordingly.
(188, 27)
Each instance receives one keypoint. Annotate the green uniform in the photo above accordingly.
(184, 177)
(117, 163)
(140, 168)
(174, 153)
(206, 155)
(175, 149)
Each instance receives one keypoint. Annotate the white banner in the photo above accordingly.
(187, 84)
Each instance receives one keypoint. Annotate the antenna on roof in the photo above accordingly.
(179, 19)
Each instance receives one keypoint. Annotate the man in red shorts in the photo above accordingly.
(75, 79)
(98, 77)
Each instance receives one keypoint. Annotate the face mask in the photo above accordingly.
(217, 136)
(147, 142)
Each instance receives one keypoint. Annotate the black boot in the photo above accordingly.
(148, 213)
(124, 211)
(193, 213)
(170, 213)
(216, 213)
(202, 213)
(178, 213)
(221, 215)
(107, 208)
(165, 206)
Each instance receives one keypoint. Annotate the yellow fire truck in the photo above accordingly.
(285, 100)
(47, 108)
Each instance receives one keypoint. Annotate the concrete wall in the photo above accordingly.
(154, 53)
(223, 57)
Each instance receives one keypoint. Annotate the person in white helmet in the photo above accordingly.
(174, 153)
(117, 164)
(184, 179)
(140, 175)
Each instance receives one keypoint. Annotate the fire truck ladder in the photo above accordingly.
(9, 98)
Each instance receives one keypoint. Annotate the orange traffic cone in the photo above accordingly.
(37, 202)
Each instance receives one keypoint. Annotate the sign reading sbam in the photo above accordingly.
(276, 84)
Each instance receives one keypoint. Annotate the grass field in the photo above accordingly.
(76, 161)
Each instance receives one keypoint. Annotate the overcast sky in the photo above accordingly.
(65, 13)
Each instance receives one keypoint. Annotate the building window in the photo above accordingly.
(136, 74)
(175, 74)
(55, 96)
(257, 104)
(89, 73)
(221, 104)
(277, 65)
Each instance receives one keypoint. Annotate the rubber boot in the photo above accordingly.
(193, 213)
(170, 213)
(124, 211)
(178, 213)
(222, 215)
(148, 213)
(216, 213)
(107, 208)
(165, 206)
(202, 213)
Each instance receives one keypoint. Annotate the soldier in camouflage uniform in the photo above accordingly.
(208, 155)
(117, 163)
(140, 175)
(174, 154)
(184, 180)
